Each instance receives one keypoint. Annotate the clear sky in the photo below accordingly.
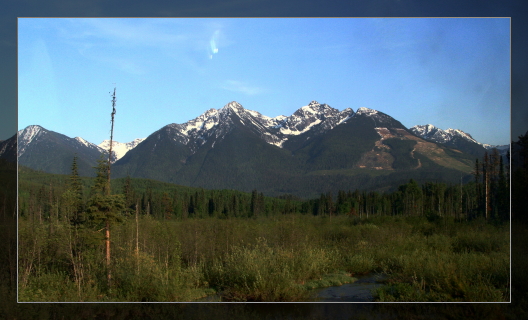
(452, 72)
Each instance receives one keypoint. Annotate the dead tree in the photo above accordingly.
(107, 226)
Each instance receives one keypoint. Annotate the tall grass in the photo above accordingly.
(274, 259)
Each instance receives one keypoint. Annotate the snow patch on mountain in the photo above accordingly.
(431, 132)
(217, 123)
(460, 133)
(27, 136)
(84, 142)
(436, 134)
(306, 117)
(345, 115)
(119, 149)
(366, 111)
(501, 148)
(378, 117)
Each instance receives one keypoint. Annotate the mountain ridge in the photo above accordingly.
(456, 138)
(316, 147)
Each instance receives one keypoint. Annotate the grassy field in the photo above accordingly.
(265, 259)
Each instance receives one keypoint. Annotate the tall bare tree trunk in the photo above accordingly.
(76, 265)
(137, 238)
(107, 240)
(107, 231)
(111, 138)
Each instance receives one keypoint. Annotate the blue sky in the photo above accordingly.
(448, 72)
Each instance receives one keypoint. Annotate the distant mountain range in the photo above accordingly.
(316, 149)
(457, 139)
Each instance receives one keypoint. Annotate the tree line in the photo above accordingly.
(486, 196)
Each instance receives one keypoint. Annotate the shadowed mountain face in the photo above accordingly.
(49, 151)
(316, 149)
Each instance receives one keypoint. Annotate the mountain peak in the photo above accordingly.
(436, 134)
(233, 105)
(366, 111)
(29, 133)
(316, 108)
(30, 129)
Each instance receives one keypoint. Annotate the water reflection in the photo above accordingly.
(359, 291)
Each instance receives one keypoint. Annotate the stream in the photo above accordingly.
(359, 291)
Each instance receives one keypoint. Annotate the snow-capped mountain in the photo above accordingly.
(217, 123)
(49, 151)
(431, 132)
(119, 149)
(31, 135)
(27, 135)
(314, 117)
(34, 133)
(503, 149)
(455, 138)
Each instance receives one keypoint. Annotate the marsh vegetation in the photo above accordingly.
(266, 259)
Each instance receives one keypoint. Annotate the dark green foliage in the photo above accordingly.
(491, 188)
(169, 201)
(469, 148)
(104, 207)
(241, 161)
(402, 151)
(73, 197)
(340, 148)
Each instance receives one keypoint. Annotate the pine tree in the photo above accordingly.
(105, 209)
(494, 180)
(257, 203)
(129, 194)
(478, 184)
(76, 190)
(486, 178)
(503, 194)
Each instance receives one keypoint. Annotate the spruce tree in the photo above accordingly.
(478, 184)
(72, 198)
(503, 194)
(486, 178)
(105, 209)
